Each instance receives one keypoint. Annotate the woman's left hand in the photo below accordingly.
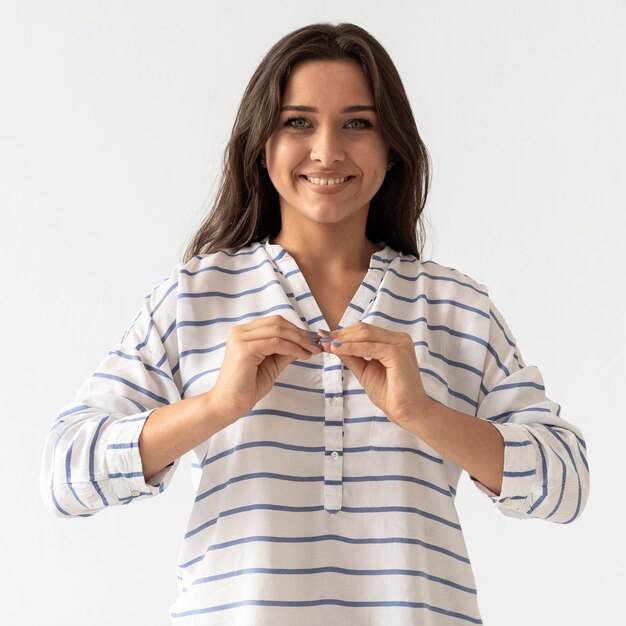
(391, 378)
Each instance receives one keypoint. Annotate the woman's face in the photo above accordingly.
(326, 143)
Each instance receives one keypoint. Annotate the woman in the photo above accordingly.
(325, 379)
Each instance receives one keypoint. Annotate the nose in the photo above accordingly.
(327, 146)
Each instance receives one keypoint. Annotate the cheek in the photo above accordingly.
(285, 156)
(374, 155)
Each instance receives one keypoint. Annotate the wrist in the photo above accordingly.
(417, 413)
(214, 411)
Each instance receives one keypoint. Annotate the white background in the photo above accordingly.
(113, 120)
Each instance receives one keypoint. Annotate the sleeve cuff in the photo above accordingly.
(123, 460)
(520, 469)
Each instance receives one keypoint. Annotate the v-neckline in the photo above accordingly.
(302, 297)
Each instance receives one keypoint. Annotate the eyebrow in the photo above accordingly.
(352, 109)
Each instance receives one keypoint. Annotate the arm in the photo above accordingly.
(171, 431)
(545, 472)
(92, 457)
(475, 445)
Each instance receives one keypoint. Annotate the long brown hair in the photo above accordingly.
(247, 207)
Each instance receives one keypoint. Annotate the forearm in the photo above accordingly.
(171, 431)
(473, 444)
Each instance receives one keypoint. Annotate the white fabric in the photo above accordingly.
(313, 508)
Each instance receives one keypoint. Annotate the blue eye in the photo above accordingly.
(366, 123)
(294, 119)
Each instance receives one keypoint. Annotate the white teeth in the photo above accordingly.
(326, 181)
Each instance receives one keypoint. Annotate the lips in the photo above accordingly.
(326, 189)
(348, 178)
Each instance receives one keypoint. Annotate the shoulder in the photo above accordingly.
(454, 276)
(226, 262)
(228, 257)
(441, 280)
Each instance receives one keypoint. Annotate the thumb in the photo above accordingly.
(282, 360)
(355, 364)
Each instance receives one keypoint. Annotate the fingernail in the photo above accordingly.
(307, 351)
(336, 343)
(325, 339)
(312, 335)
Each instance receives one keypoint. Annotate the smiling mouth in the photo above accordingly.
(327, 182)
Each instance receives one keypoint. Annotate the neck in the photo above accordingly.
(333, 253)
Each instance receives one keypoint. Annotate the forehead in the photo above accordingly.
(317, 82)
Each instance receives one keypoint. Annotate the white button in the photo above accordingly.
(332, 356)
(335, 401)
(506, 501)
(334, 455)
(134, 493)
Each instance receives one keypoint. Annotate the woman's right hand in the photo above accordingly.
(256, 353)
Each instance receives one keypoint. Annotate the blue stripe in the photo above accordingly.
(143, 343)
(140, 407)
(127, 475)
(225, 270)
(74, 409)
(238, 318)
(513, 444)
(519, 474)
(313, 509)
(170, 329)
(337, 570)
(196, 377)
(224, 294)
(150, 368)
(451, 392)
(68, 475)
(118, 446)
(314, 449)
(422, 296)
(92, 449)
(496, 358)
(501, 327)
(304, 389)
(132, 385)
(553, 431)
(544, 473)
(57, 505)
(450, 331)
(326, 601)
(563, 479)
(330, 537)
(448, 361)
(54, 450)
(320, 479)
(582, 457)
(391, 270)
(505, 417)
(529, 383)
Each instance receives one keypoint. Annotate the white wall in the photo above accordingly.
(113, 119)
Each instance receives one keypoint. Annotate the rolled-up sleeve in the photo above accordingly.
(91, 455)
(546, 474)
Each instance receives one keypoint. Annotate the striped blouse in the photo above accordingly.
(314, 508)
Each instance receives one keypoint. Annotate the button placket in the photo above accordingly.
(333, 435)
(305, 306)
